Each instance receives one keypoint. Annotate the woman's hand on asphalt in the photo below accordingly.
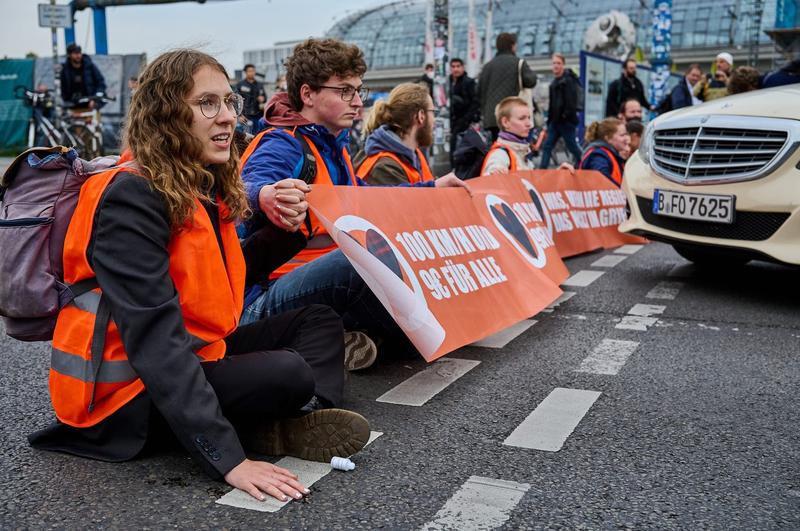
(258, 477)
(285, 203)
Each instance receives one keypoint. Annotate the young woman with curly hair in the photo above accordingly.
(156, 347)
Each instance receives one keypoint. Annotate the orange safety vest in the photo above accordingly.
(320, 243)
(616, 170)
(412, 174)
(90, 376)
(512, 167)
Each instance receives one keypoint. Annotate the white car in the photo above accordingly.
(721, 181)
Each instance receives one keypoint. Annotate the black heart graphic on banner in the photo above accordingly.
(538, 204)
(510, 222)
(380, 249)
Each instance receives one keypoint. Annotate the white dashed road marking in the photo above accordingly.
(581, 279)
(308, 473)
(665, 290)
(628, 249)
(647, 310)
(504, 337)
(549, 425)
(610, 260)
(426, 384)
(564, 297)
(480, 503)
(640, 317)
(608, 357)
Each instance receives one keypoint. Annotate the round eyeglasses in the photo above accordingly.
(210, 104)
(348, 93)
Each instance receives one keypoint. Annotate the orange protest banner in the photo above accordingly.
(449, 268)
(580, 212)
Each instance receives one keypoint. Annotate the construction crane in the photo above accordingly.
(98, 8)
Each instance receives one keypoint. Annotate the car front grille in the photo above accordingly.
(703, 154)
(750, 226)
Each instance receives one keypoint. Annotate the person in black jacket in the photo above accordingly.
(254, 98)
(165, 255)
(562, 114)
(80, 77)
(626, 87)
(463, 102)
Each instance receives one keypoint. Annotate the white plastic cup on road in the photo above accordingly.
(342, 463)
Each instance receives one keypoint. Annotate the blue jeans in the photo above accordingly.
(566, 131)
(329, 280)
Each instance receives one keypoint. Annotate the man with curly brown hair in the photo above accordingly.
(306, 143)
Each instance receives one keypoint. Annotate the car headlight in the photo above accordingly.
(646, 145)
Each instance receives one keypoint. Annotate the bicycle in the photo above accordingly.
(79, 126)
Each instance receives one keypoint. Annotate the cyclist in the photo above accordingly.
(80, 78)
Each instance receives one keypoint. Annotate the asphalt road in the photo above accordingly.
(698, 429)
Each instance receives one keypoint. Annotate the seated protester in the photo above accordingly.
(397, 129)
(609, 144)
(744, 79)
(156, 238)
(311, 122)
(512, 150)
(635, 130)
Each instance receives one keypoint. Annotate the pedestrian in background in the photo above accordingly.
(80, 77)
(464, 104)
(608, 145)
(254, 98)
(627, 86)
(786, 75)
(744, 79)
(716, 85)
(499, 79)
(682, 94)
(562, 114)
(427, 78)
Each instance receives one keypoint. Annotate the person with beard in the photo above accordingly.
(397, 129)
(627, 86)
(80, 77)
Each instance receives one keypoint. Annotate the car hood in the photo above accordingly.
(778, 102)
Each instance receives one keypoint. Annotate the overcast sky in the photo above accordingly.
(223, 28)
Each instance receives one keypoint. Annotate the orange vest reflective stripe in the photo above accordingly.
(512, 166)
(321, 243)
(412, 174)
(210, 291)
(616, 170)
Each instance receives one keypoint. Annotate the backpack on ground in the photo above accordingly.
(472, 147)
(38, 195)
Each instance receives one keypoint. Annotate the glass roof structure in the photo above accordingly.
(393, 35)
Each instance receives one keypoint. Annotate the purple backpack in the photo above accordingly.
(38, 195)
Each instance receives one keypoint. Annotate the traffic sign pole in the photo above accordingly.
(56, 72)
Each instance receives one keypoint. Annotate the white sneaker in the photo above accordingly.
(359, 351)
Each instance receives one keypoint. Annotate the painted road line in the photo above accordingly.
(564, 297)
(549, 425)
(636, 322)
(426, 384)
(610, 260)
(628, 249)
(308, 473)
(480, 503)
(608, 357)
(581, 279)
(504, 337)
(647, 310)
(665, 290)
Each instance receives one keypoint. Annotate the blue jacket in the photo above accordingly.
(680, 96)
(599, 160)
(787, 75)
